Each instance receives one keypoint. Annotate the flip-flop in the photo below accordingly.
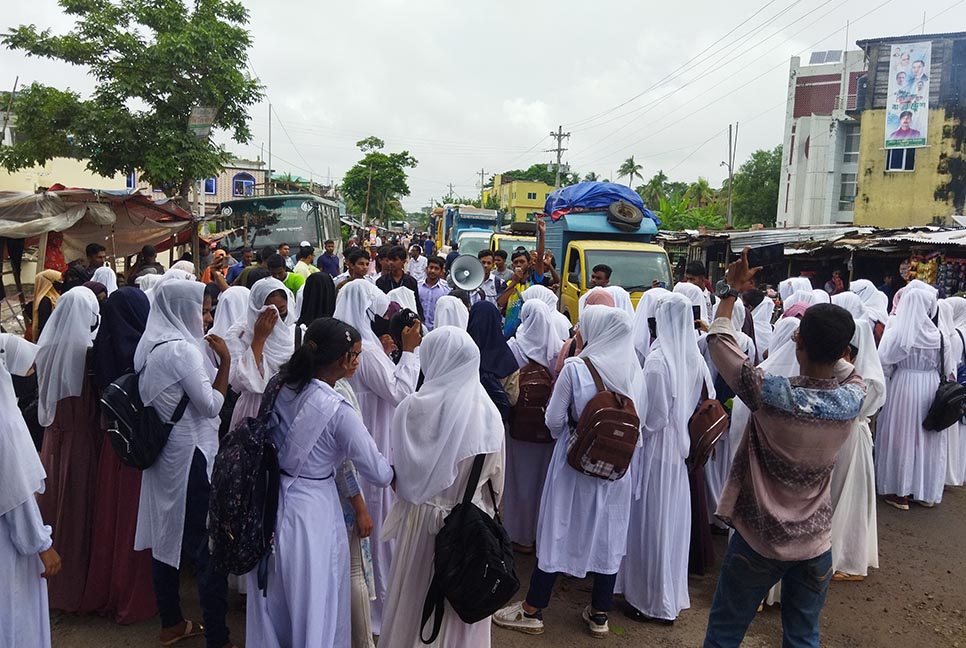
(191, 629)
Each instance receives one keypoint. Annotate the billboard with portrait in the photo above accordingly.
(907, 105)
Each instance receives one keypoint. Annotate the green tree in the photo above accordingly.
(379, 180)
(545, 173)
(756, 189)
(701, 193)
(153, 62)
(654, 189)
(677, 213)
(630, 170)
(591, 177)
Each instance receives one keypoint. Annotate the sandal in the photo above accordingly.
(848, 578)
(191, 629)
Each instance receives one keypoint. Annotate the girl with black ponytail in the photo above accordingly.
(318, 432)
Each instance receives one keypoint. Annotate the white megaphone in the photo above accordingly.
(466, 273)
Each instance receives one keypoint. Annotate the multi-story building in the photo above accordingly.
(821, 140)
(912, 163)
(238, 179)
(521, 199)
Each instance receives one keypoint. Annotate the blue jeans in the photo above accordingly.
(746, 576)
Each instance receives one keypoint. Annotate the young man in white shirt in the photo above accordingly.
(416, 264)
(492, 287)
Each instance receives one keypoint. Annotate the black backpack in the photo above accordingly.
(243, 504)
(473, 563)
(136, 432)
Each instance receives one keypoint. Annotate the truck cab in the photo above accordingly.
(471, 241)
(584, 240)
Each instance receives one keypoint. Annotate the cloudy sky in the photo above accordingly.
(468, 86)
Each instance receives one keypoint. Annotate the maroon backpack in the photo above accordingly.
(528, 418)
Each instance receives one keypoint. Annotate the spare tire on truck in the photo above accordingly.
(624, 216)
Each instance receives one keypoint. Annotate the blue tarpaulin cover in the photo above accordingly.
(593, 195)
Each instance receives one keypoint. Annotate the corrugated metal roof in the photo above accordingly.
(755, 238)
(934, 237)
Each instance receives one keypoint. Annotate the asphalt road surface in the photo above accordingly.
(916, 598)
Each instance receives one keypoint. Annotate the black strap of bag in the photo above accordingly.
(435, 598)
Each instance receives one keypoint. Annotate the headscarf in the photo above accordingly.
(595, 297)
(106, 275)
(175, 316)
(793, 285)
(784, 330)
(174, 274)
(852, 303)
(148, 282)
(96, 287)
(357, 303)
(795, 311)
(622, 299)
(819, 296)
(123, 319)
(762, 314)
(912, 327)
(876, 302)
(21, 473)
(184, 266)
(607, 343)
(485, 326)
(548, 297)
(640, 330)
(450, 311)
(405, 297)
(536, 338)
(232, 308)
(44, 287)
(280, 343)
(62, 355)
(806, 297)
(678, 358)
(316, 298)
(694, 294)
(450, 419)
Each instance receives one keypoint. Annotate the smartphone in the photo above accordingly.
(652, 325)
(697, 317)
(765, 255)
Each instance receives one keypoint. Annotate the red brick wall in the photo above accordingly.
(815, 95)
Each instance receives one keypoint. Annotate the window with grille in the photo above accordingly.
(847, 192)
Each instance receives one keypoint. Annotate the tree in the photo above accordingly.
(377, 180)
(630, 169)
(677, 214)
(545, 173)
(591, 177)
(153, 62)
(654, 190)
(701, 193)
(756, 188)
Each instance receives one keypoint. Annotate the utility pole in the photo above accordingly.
(732, 150)
(270, 187)
(482, 176)
(365, 214)
(449, 196)
(559, 135)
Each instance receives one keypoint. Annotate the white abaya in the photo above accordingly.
(308, 601)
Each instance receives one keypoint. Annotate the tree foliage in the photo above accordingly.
(630, 170)
(545, 173)
(756, 189)
(388, 183)
(152, 63)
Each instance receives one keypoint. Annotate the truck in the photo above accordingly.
(581, 240)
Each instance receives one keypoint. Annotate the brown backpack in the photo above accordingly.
(528, 419)
(706, 426)
(604, 439)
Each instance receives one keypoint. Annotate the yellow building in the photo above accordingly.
(520, 198)
(901, 187)
(66, 171)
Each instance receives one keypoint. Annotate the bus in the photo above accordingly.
(272, 220)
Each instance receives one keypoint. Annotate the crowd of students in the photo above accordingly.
(386, 387)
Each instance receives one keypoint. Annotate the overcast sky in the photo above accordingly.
(467, 86)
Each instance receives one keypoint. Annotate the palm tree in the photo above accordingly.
(654, 190)
(591, 177)
(630, 169)
(701, 193)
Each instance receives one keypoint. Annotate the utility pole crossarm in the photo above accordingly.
(559, 136)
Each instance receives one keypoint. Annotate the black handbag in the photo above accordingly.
(473, 563)
(947, 406)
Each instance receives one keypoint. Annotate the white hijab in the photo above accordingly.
(819, 296)
(607, 343)
(694, 294)
(62, 354)
(148, 282)
(357, 303)
(231, 309)
(806, 297)
(184, 266)
(876, 302)
(622, 299)
(536, 337)
(912, 327)
(451, 311)
(762, 314)
(548, 297)
(448, 420)
(175, 316)
(21, 473)
(852, 303)
(784, 330)
(173, 274)
(640, 331)
(793, 285)
(105, 275)
(280, 344)
(405, 297)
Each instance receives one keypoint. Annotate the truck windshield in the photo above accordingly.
(633, 270)
(508, 244)
(473, 244)
(270, 221)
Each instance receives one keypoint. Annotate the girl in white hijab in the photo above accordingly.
(562, 325)
(641, 331)
(911, 460)
(694, 294)
(876, 302)
(583, 520)
(67, 406)
(24, 614)
(380, 387)
(622, 299)
(437, 433)
(819, 296)
(174, 274)
(232, 308)
(793, 285)
(105, 275)
(954, 346)
(956, 465)
(763, 314)
(654, 575)
(451, 311)
(173, 507)
(260, 344)
(527, 462)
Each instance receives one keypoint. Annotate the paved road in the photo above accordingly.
(916, 599)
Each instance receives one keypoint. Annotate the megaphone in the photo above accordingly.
(466, 273)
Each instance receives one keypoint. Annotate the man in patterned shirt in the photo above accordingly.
(777, 495)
